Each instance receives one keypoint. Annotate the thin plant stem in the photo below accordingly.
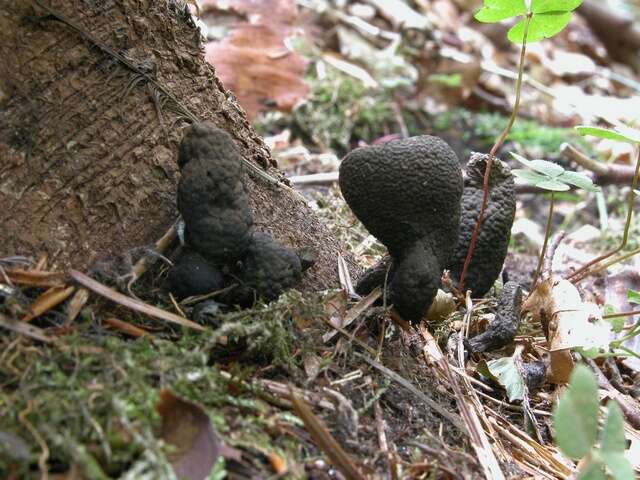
(582, 272)
(606, 265)
(547, 234)
(622, 314)
(492, 153)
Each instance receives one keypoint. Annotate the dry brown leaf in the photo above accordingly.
(256, 65)
(75, 305)
(187, 427)
(341, 319)
(261, 11)
(35, 278)
(126, 327)
(48, 300)
(278, 463)
(569, 323)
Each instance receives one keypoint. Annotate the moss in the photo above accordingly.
(92, 399)
(480, 130)
(340, 109)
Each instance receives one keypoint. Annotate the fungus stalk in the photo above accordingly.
(494, 150)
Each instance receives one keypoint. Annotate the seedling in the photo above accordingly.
(576, 423)
(621, 133)
(553, 178)
(540, 19)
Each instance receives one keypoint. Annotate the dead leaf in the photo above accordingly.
(340, 319)
(188, 428)
(257, 12)
(256, 65)
(568, 323)
(278, 463)
(126, 327)
(48, 300)
(35, 278)
(75, 305)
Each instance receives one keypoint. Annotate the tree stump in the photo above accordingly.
(93, 102)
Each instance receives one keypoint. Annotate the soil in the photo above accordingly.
(89, 146)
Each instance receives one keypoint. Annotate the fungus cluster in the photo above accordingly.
(409, 194)
(223, 249)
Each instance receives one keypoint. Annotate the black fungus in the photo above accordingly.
(502, 330)
(193, 275)
(211, 196)
(535, 374)
(493, 240)
(407, 194)
(267, 269)
(219, 227)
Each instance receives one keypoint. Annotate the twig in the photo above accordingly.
(382, 440)
(324, 439)
(604, 173)
(452, 417)
(131, 303)
(25, 329)
(553, 248)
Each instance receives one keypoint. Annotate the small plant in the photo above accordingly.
(576, 423)
(554, 178)
(621, 133)
(541, 19)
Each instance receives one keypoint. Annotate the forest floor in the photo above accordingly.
(322, 384)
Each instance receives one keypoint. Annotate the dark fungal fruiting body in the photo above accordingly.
(211, 196)
(193, 275)
(493, 239)
(267, 269)
(219, 226)
(407, 194)
(504, 327)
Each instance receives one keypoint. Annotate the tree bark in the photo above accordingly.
(90, 121)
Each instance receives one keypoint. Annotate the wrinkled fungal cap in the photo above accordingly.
(268, 269)
(405, 190)
(211, 195)
(407, 194)
(493, 240)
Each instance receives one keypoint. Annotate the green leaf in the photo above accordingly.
(547, 168)
(593, 470)
(505, 372)
(591, 352)
(542, 25)
(531, 177)
(452, 80)
(612, 438)
(496, 10)
(579, 180)
(576, 415)
(521, 159)
(630, 134)
(633, 296)
(617, 323)
(619, 466)
(553, 185)
(544, 6)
